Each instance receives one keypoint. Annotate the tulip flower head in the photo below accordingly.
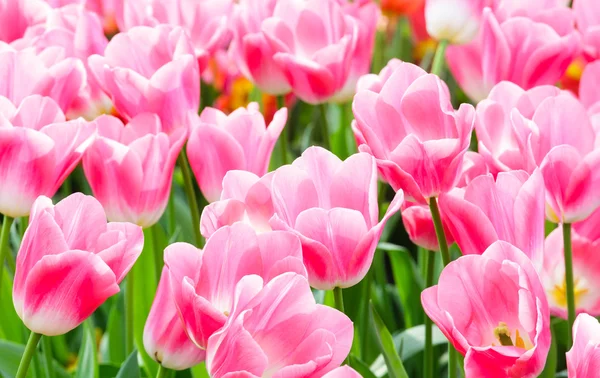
(47, 74)
(281, 331)
(456, 21)
(245, 198)
(150, 69)
(583, 360)
(509, 208)
(70, 261)
(405, 119)
(314, 43)
(205, 21)
(39, 150)
(220, 143)
(72, 31)
(493, 309)
(203, 282)
(585, 268)
(499, 54)
(250, 49)
(165, 339)
(17, 15)
(332, 206)
(130, 168)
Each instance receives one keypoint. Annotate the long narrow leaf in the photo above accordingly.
(392, 359)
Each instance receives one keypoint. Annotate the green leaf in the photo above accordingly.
(199, 371)
(144, 286)
(409, 342)
(112, 345)
(130, 368)
(361, 367)
(87, 362)
(342, 138)
(10, 356)
(11, 327)
(551, 362)
(386, 343)
(408, 283)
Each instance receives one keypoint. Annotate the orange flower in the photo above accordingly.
(401, 7)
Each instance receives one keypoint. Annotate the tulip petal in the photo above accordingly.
(62, 290)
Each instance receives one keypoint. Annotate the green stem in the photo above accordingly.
(366, 298)
(171, 212)
(452, 361)
(438, 60)
(34, 339)
(338, 297)
(4, 246)
(428, 361)
(162, 372)
(439, 230)
(191, 196)
(324, 125)
(129, 312)
(284, 133)
(47, 348)
(569, 281)
(150, 235)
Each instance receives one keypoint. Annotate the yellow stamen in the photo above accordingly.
(559, 293)
(502, 333)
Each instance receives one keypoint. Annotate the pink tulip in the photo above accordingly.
(151, 70)
(47, 74)
(499, 53)
(17, 15)
(130, 168)
(39, 150)
(73, 32)
(366, 13)
(343, 372)
(420, 228)
(245, 198)
(276, 329)
(509, 208)
(571, 180)
(583, 360)
(220, 143)
(493, 309)
(205, 21)
(105, 9)
(314, 43)
(165, 339)
(586, 265)
(70, 262)
(587, 16)
(203, 283)
(332, 206)
(250, 49)
(473, 166)
(588, 94)
(417, 217)
(517, 128)
(406, 121)
(456, 21)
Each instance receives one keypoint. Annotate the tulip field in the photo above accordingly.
(299, 188)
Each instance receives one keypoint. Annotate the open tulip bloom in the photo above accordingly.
(71, 261)
(300, 188)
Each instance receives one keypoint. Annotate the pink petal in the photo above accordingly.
(62, 290)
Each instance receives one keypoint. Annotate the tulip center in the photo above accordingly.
(559, 292)
(504, 337)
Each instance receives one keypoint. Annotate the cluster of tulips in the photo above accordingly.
(108, 153)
